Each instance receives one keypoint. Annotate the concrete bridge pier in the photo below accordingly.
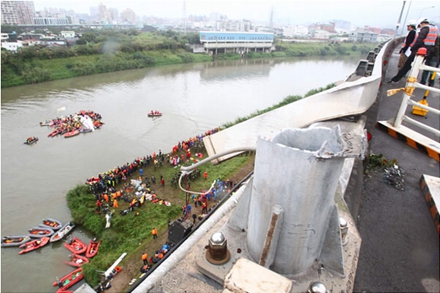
(306, 192)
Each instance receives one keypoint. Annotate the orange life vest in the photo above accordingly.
(431, 36)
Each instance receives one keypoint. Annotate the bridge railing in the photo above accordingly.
(408, 90)
(423, 136)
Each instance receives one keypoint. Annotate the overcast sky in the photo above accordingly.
(369, 12)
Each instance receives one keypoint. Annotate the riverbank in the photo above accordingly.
(132, 264)
(36, 65)
(130, 229)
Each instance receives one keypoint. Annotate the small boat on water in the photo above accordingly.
(54, 133)
(40, 232)
(71, 133)
(69, 280)
(31, 140)
(34, 244)
(75, 245)
(16, 240)
(92, 248)
(51, 224)
(154, 114)
(77, 260)
(66, 229)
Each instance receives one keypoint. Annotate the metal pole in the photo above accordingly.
(400, 17)
(406, 16)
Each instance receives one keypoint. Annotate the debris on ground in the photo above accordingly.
(394, 177)
(392, 174)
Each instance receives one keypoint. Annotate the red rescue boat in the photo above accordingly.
(92, 248)
(154, 114)
(77, 260)
(75, 245)
(34, 244)
(40, 232)
(71, 133)
(51, 224)
(69, 280)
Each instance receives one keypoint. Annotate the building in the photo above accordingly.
(236, 42)
(363, 37)
(17, 12)
(320, 34)
(233, 25)
(67, 34)
(128, 15)
(4, 37)
(295, 31)
(52, 21)
(12, 46)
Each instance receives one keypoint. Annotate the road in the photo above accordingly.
(400, 245)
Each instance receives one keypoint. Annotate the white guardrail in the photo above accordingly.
(352, 97)
(408, 90)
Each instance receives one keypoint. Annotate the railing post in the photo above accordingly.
(409, 87)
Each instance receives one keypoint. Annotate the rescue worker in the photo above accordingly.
(425, 39)
(145, 268)
(154, 233)
(145, 258)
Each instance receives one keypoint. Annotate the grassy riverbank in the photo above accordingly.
(132, 232)
(112, 51)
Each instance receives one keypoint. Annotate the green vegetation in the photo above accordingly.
(321, 49)
(379, 162)
(132, 233)
(111, 50)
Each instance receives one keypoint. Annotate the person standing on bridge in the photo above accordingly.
(425, 39)
(407, 44)
(433, 60)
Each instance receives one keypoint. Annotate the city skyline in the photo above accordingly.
(291, 12)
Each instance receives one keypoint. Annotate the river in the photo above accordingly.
(193, 99)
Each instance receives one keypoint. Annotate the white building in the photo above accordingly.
(363, 37)
(12, 46)
(67, 34)
(321, 35)
(233, 25)
(4, 37)
(295, 31)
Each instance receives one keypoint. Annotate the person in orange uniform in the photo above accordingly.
(205, 175)
(115, 203)
(154, 232)
(145, 258)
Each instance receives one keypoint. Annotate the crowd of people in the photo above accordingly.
(138, 191)
(119, 174)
